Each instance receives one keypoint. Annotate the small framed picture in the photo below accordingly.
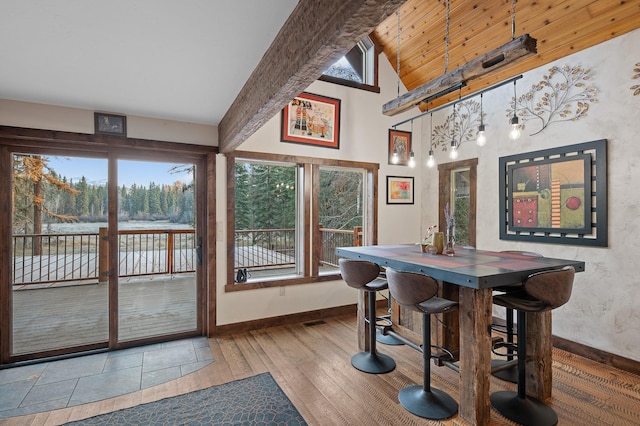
(399, 190)
(399, 147)
(110, 124)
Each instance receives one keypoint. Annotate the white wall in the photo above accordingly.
(364, 137)
(603, 311)
(49, 117)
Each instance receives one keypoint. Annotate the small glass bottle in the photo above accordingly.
(448, 250)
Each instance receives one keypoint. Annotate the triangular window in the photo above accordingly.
(358, 68)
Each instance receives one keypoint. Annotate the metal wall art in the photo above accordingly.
(563, 94)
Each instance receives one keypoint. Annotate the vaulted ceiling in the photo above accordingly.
(561, 27)
(236, 63)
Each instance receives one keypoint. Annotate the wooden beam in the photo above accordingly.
(484, 64)
(316, 35)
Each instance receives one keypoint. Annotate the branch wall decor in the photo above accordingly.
(636, 87)
(562, 95)
(461, 126)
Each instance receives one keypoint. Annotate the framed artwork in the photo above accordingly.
(556, 196)
(312, 120)
(400, 190)
(400, 144)
(110, 124)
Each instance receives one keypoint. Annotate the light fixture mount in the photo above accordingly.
(512, 51)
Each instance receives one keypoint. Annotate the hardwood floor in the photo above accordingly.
(311, 362)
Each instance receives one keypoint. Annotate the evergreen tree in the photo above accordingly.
(82, 200)
(164, 200)
(340, 199)
(242, 210)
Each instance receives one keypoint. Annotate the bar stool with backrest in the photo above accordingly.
(418, 292)
(364, 276)
(541, 292)
(509, 374)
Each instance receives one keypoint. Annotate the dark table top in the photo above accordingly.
(470, 268)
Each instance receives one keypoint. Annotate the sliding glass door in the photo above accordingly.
(59, 302)
(66, 293)
(157, 248)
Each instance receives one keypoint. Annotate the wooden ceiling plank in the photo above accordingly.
(411, 19)
(559, 16)
(588, 36)
(315, 35)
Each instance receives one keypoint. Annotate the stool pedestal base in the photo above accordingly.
(387, 339)
(526, 411)
(508, 374)
(434, 404)
(375, 363)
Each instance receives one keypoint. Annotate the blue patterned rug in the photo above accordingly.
(256, 400)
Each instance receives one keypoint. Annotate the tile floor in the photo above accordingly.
(58, 384)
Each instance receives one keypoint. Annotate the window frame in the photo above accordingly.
(371, 52)
(308, 214)
(445, 183)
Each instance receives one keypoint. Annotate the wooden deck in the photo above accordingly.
(62, 316)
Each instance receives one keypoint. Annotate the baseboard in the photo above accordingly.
(603, 357)
(593, 354)
(302, 317)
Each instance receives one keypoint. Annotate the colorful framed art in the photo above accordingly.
(312, 120)
(400, 190)
(556, 195)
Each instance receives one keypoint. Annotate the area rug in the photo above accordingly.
(256, 400)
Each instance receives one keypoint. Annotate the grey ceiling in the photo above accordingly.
(180, 60)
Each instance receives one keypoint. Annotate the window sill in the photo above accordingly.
(349, 83)
(253, 285)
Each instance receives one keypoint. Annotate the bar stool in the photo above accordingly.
(509, 374)
(363, 275)
(541, 292)
(417, 292)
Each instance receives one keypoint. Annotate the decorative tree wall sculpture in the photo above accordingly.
(636, 87)
(562, 95)
(461, 125)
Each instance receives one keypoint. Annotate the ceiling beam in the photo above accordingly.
(316, 35)
(482, 65)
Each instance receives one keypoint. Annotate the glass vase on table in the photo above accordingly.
(448, 248)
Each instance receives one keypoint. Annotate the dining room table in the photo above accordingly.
(472, 275)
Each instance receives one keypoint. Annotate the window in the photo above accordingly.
(358, 68)
(290, 214)
(341, 212)
(459, 179)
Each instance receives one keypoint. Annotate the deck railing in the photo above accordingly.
(332, 238)
(50, 258)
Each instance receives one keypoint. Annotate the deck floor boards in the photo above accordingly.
(70, 315)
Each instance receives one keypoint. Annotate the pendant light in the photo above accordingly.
(453, 151)
(481, 139)
(431, 161)
(395, 157)
(514, 134)
(412, 157)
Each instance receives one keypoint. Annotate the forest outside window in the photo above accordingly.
(290, 216)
